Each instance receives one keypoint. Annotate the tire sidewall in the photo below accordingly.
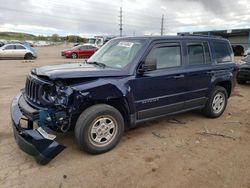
(28, 56)
(83, 126)
(217, 90)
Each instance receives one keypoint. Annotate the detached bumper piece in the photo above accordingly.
(31, 140)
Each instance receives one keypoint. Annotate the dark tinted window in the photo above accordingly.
(222, 52)
(91, 47)
(83, 48)
(19, 47)
(166, 56)
(10, 47)
(198, 53)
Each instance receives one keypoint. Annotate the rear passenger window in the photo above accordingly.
(222, 53)
(166, 56)
(198, 53)
(19, 47)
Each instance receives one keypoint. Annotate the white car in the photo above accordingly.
(247, 52)
(16, 50)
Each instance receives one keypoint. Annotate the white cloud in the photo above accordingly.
(91, 17)
(35, 29)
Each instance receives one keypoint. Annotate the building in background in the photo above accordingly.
(239, 38)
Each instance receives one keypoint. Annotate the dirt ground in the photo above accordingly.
(168, 152)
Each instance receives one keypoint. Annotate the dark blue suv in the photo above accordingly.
(128, 81)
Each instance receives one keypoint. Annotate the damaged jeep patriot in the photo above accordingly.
(128, 81)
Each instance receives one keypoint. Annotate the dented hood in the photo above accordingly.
(77, 70)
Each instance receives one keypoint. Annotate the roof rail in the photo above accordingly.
(198, 35)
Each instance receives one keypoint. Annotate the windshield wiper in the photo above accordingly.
(97, 63)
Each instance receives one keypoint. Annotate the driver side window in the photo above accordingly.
(166, 56)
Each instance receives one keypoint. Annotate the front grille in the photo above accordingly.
(32, 89)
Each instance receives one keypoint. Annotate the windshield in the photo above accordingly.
(117, 53)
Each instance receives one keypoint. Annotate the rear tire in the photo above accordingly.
(28, 56)
(99, 129)
(216, 103)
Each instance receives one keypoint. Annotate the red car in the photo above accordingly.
(80, 51)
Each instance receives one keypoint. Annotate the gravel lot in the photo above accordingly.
(168, 152)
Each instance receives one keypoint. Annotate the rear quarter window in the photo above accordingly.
(222, 52)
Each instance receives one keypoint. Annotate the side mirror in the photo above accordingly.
(150, 64)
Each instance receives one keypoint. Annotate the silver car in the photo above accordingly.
(15, 50)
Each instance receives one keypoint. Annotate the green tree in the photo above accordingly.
(55, 37)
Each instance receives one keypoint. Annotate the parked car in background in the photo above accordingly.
(247, 52)
(76, 44)
(80, 51)
(16, 50)
(244, 70)
(41, 43)
(1, 44)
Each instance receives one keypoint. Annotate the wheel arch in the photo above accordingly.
(118, 103)
(227, 85)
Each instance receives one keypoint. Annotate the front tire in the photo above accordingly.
(99, 129)
(74, 56)
(217, 102)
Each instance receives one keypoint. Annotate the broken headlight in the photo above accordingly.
(62, 95)
(47, 95)
(54, 95)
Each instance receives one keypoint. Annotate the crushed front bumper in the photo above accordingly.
(28, 139)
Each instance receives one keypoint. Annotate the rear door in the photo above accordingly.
(20, 51)
(89, 51)
(162, 91)
(199, 73)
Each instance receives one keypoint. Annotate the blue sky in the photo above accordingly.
(140, 17)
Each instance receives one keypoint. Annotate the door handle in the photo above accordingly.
(179, 76)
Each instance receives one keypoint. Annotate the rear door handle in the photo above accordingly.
(179, 76)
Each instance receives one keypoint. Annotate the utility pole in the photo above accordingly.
(120, 21)
(162, 24)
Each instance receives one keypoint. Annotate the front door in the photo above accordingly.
(161, 91)
(8, 51)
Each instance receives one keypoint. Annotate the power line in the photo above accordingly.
(162, 24)
(120, 16)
